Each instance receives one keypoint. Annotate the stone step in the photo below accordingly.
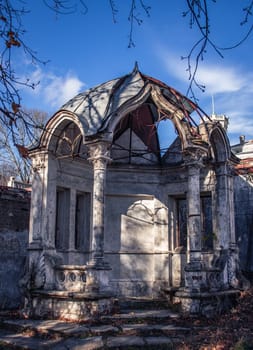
(134, 315)
(140, 329)
(20, 341)
(144, 343)
(54, 328)
(142, 303)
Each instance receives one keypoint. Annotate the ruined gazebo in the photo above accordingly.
(132, 197)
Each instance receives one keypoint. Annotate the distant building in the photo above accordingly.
(244, 151)
(13, 183)
(222, 119)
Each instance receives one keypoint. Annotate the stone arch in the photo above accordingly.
(220, 149)
(55, 128)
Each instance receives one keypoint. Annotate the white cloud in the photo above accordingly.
(231, 86)
(217, 78)
(54, 90)
(61, 89)
(220, 79)
(238, 107)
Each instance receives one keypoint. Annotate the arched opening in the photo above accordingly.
(145, 136)
(66, 141)
(70, 142)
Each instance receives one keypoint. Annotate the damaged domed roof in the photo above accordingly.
(96, 106)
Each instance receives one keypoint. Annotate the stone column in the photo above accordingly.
(194, 277)
(194, 216)
(97, 278)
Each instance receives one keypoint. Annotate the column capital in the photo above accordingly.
(38, 163)
(99, 154)
(194, 157)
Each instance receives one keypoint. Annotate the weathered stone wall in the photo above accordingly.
(244, 222)
(14, 209)
(14, 223)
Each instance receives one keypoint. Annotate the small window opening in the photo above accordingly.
(82, 227)
(62, 218)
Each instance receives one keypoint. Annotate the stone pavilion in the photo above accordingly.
(132, 196)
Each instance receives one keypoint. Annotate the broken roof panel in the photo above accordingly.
(97, 108)
(97, 105)
(92, 105)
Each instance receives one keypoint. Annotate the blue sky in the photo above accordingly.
(86, 50)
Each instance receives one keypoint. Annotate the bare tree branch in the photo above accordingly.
(11, 36)
(198, 13)
(135, 17)
(114, 10)
(12, 40)
(13, 155)
(66, 7)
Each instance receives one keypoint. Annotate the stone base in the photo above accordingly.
(70, 306)
(207, 304)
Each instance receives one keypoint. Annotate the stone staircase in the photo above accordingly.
(138, 324)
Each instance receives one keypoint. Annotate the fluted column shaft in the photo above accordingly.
(99, 157)
(194, 215)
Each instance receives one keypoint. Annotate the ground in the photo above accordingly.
(230, 331)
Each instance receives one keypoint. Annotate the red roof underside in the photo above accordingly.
(141, 121)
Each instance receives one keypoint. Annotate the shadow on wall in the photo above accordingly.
(135, 244)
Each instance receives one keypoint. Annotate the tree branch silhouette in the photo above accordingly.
(13, 40)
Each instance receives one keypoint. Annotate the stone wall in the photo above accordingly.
(14, 209)
(244, 222)
(14, 223)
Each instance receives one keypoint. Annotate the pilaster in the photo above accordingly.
(38, 183)
(225, 225)
(72, 218)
